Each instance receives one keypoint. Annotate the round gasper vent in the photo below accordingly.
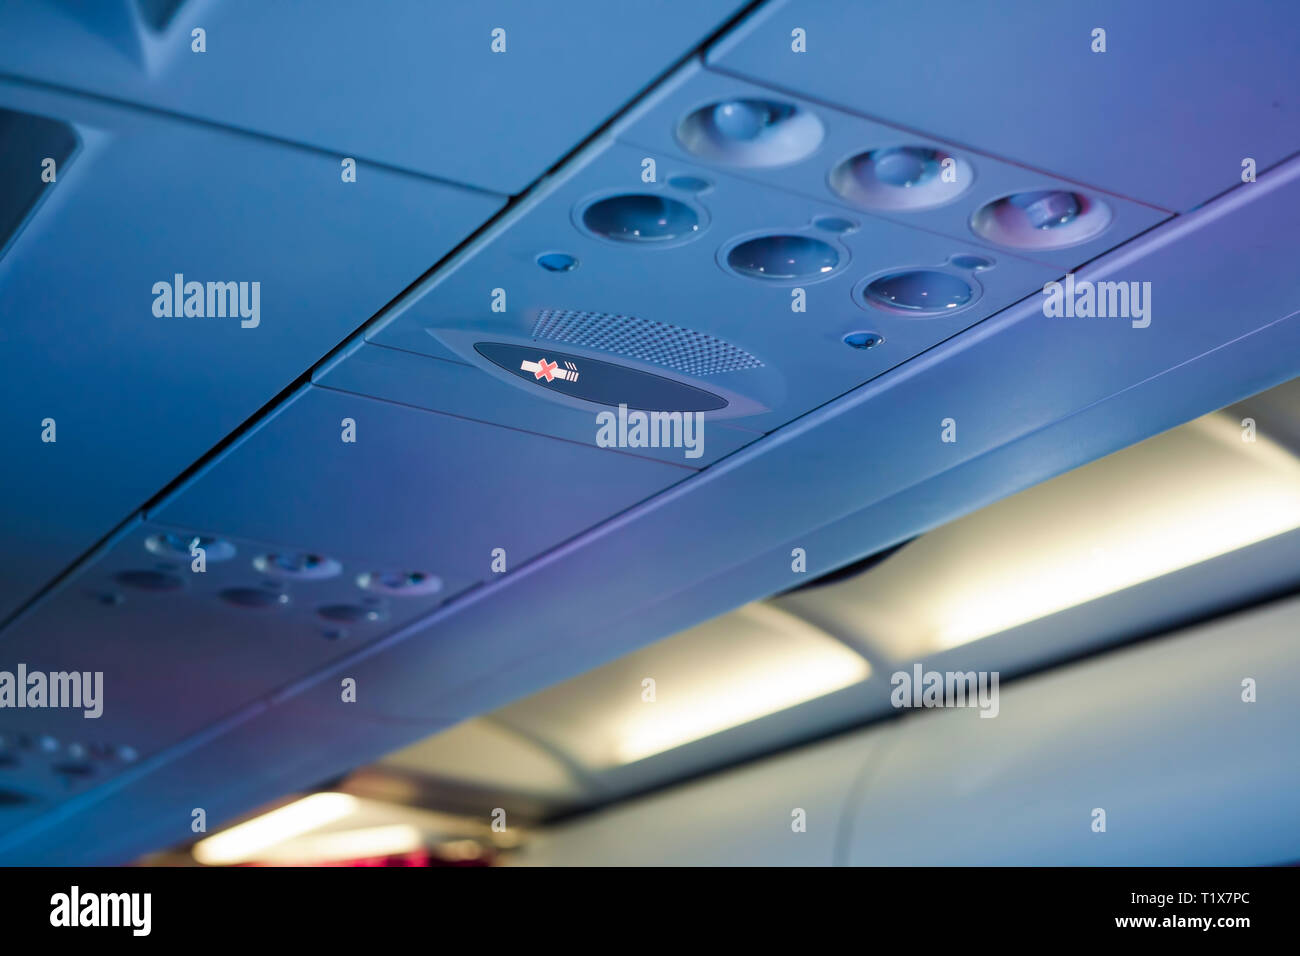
(751, 132)
(690, 184)
(157, 581)
(255, 598)
(902, 178)
(919, 292)
(173, 545)
(297, 565)
(12, 799)
(970, 262)
(863, 340)
(643, 219)
(400, 583)
(1041, 219)
(351, 613)
(74, 768)
(788, 257)
(834, 224)
(557, 262)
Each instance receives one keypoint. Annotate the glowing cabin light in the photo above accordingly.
(771, 677)
(1149, 522)
(242, 843)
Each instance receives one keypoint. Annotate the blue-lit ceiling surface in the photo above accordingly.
(841, 274)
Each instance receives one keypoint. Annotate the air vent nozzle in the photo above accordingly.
(13, 798)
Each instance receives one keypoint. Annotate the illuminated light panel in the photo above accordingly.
(765, 687)
(340, 828)
(1181, 498)
(1168, 519)
(481, 753)
(341, 845)
(459, 851)
(246, 841)
(725, 672)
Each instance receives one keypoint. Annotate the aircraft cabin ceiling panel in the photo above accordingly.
(1184, 92)
(292, 746)
(606, 550)
(416, 491)
(871, 169)
(468, 392)
(137, 397)
(1171, 529)
(1034, 396)
(738, 288)
(571, 720)
(1065, 392)
(1194, 520)
(383, 83)
(195, 639)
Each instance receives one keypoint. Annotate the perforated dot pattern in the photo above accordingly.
(684, 350)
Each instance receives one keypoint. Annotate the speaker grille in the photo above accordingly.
(685, 350)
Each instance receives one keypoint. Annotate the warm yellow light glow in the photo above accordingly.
(459, 850)
(1184, 497)
(1159, 521)
(742, 687)
(339, 845)
(242, 843)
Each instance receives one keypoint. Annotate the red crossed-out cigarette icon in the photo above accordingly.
(550, 370)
